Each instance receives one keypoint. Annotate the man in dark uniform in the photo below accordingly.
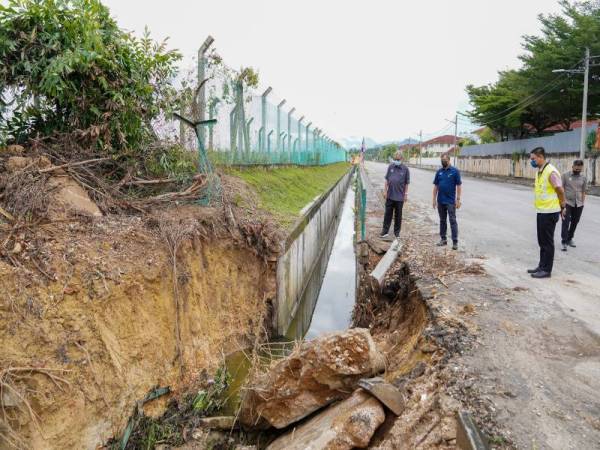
(397, 180)
(447, 189)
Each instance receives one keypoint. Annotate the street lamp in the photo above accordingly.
(586, 76)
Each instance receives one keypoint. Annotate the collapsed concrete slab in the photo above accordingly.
(346, 425)
(316, 374)
(385, 392)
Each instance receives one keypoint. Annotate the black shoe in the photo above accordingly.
(564, 247)
(455, 246)
(571, 243)
(442, 243)
(537, 269)
(541, 274)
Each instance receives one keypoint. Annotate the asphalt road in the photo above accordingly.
(540, 339)
(497, 221)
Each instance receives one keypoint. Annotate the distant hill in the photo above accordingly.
(402, 142)
(354, 142)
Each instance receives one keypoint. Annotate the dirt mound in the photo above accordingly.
(97, 312)
(32, 185)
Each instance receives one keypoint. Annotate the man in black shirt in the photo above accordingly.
(397, 180)
(574, 184)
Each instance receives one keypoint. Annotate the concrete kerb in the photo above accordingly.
(592, 189)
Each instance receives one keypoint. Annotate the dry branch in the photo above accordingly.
(6, 214)
(73, 164)
(138, 182)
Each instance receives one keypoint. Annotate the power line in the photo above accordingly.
(441, 130)
(522, 106)
(545, 88)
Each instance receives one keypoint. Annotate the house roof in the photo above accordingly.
(574, 126)
(405, 146)
(447, 139)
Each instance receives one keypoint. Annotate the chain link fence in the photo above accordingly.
(251, 128)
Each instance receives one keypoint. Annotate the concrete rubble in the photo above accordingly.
(349, 424)
(385, 392)
(316, 374)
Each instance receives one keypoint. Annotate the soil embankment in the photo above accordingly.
(113, 324)
(100, 310)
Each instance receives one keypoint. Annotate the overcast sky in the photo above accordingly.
(378, 68)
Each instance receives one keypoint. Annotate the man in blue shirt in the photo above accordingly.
(446, 198)
(397, 180)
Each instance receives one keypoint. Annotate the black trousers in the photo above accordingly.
(569, 223)
(448, 211)
(546, 224)
(393, 208)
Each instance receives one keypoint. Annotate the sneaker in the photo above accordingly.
(455, 246)
(571, 243)
(384, 235)
(564, 247)
(442, 243)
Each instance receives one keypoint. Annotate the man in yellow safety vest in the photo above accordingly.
(549, 204)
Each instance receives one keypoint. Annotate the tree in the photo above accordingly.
(528, 100)
(68, 68)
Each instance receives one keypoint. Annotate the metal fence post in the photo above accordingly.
(201, 76)
(307, 135)
(300, 133)
(279, 124)
(247, 133)
(232, 129)
(263, 123)
(269, 141)
(211, 115)
(289, 146)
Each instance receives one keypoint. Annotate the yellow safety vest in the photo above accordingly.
(546, 199)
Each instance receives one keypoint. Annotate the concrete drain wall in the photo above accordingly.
(302, 265)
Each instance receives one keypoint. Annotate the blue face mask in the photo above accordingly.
(397, 163)
(533, 163)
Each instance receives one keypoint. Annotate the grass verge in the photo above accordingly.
(285, 191)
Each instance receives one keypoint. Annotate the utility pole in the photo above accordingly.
(455, 136)
(420, 148)
(586, 73)
(455, 122)
(586, 76)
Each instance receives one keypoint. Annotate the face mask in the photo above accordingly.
(577, 172)
(533, 163)
(397, 163)
(445, 163)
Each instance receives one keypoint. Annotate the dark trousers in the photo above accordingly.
(569, 223)
(448, 211)
(393, 207)
(546, 224)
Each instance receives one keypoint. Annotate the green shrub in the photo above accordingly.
(172, 162)
(68, 68)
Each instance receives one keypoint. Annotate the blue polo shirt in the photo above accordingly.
(446, 180)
